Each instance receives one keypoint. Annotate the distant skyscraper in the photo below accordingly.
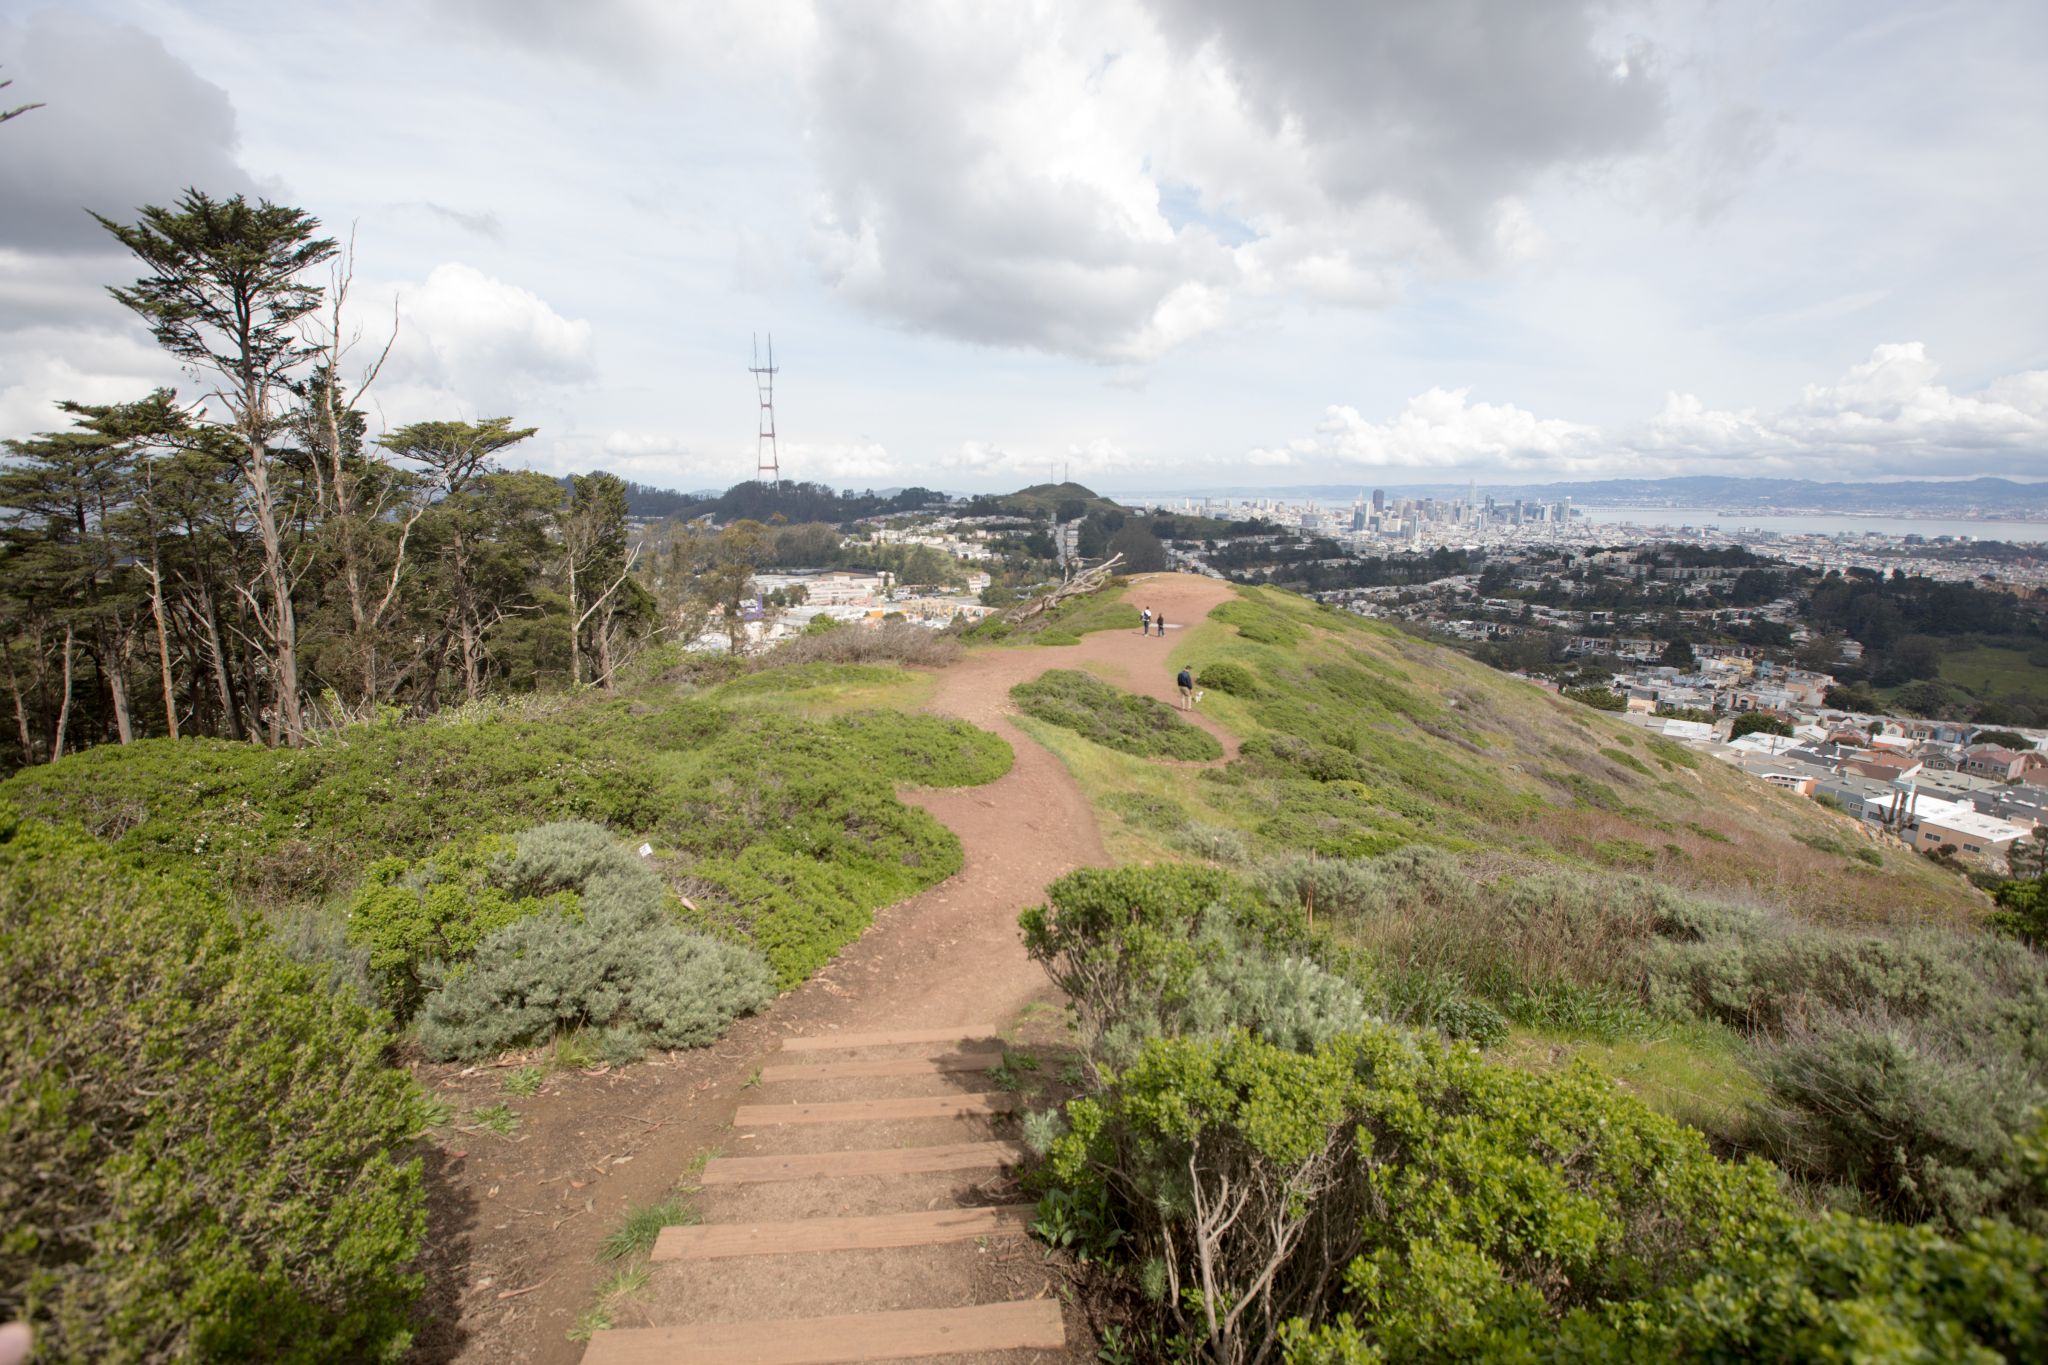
(1379, 501)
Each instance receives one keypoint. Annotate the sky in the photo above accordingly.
(1153, 244)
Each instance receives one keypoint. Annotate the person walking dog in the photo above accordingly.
(1187, 690)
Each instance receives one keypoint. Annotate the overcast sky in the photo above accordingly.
(1167, 243)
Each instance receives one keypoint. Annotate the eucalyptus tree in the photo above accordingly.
(226, 294)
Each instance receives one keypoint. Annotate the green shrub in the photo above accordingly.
(1627, 760)
(1920, 1120)
(1144, 951)
(1599, 698)
(1231, 679)
(410, 916)
(205, 1151)
(1112, 717)
(2022, 910)
(1834, 1289)
(1419, 1187)
(618, 962)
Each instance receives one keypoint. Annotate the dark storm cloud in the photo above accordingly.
(124, 123)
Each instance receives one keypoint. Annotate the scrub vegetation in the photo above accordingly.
(215, 949)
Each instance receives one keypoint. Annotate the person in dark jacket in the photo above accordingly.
(1187, 690)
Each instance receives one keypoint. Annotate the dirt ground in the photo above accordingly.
(517, 1219)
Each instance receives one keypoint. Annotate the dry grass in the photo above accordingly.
(892, 642)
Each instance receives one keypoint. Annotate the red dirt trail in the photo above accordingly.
(518, 1221)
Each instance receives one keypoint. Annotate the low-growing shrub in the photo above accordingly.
(1416, 1186)
(1923, 1122)
(1181, 951)
(635, 973)
(616, 959)
(891, 642)
(1231, 679)
(1626, 760)
(410, 917)
(1599, 698)
(204, 1149)
(1112, 717)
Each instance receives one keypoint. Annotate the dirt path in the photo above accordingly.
(519, 1243)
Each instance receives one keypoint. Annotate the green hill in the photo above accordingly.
(1044, 499)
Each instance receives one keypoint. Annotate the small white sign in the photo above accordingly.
(647, 850)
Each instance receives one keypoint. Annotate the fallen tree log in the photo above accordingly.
(1080, 585)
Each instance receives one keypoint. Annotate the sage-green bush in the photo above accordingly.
(204, 1153)
(615, 958)
(632, 971)
(1139, 951)
(1923, 1121)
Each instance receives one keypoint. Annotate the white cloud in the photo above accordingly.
(1105, 180)
(644, 444)
(39, 366)
(468, 339)
(123, 123)
(838, 461)
(1441, 429)
(1888, 415)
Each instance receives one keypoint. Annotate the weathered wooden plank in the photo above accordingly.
(964, 1033)
(937, 1065)
(1032, 1325)
(868, 1232)
(868, 1111)
(952, 1156)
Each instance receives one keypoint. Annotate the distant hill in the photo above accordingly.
(791, 500)
(1042, 499)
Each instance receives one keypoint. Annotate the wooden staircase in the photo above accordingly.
(864, 1211)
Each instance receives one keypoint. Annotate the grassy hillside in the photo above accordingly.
(1359, 739)
(1279, 1142)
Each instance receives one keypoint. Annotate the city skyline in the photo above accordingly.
(1150, 240)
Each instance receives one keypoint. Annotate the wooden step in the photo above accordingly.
(1032, 1325)
(964, 1033)
(937, 1065)
(868, 1111)
(872, 1232)
(953, 1156)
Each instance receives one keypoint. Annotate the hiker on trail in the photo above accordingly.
(1145, 622)
(1160, 621)
(1187, 690)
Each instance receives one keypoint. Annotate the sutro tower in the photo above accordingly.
(768, 466)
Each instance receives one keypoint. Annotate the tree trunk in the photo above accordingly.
(117, 685)
(230, 708)
(163, 650)
(575, 628)
(471, 645)
(604, 653)
(63, 706)
(28, 743)
(289, 724)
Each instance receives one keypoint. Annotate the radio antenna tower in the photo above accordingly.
(768, 466)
